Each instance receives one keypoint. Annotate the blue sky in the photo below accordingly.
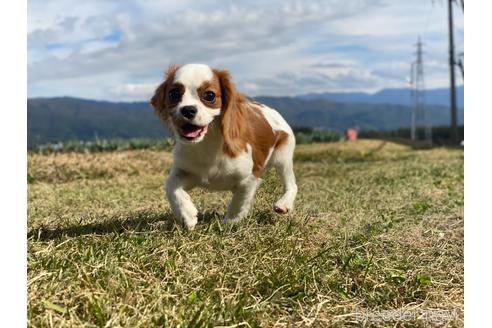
(119, 50)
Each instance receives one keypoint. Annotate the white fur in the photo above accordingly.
(204, 163)
(281, 160)
(192, 76)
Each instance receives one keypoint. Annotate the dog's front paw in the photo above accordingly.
(188, 217)
(190, 225)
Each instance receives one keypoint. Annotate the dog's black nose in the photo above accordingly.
(188, 111)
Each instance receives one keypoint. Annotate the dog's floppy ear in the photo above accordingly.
(233, 124)
(158, 100)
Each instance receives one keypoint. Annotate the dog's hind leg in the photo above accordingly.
(282, 161)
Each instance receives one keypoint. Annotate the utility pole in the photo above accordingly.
(413, 108)
(419, 117)
(452, 63)
(461, 65)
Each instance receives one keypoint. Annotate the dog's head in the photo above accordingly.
(191, 98)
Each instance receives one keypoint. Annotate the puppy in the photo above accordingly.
(223, 141)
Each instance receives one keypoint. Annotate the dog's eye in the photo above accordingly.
(174, 95)
(209, 96)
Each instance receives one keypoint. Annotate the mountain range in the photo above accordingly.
(390, 96)
(65, 118)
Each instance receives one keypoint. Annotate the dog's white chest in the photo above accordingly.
(213, 169)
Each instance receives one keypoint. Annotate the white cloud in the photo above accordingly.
(134, 91)
(124, 47)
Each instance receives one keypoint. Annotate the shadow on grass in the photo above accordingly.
(261, 217)
(139, 222)
(265, 217)
(210, 216)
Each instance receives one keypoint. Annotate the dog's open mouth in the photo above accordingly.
(191, 131)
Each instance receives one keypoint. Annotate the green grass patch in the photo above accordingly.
(377, 226)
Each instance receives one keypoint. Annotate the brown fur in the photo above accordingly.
(160, 101)
(214, 86)
(282, 138)
(244, 124)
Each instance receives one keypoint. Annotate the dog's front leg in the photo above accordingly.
(183, 209)
(242, 199)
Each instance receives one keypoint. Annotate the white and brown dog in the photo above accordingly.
(223, 141)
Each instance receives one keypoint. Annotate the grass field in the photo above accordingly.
(377, 226)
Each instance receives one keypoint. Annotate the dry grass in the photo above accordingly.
(378, 226)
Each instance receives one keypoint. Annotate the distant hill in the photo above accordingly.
(389, 96)
(339, 116)
(62, 119)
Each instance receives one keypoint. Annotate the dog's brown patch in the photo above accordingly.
(161, 100)
(243, 123)
(282, 138)
(214, 86)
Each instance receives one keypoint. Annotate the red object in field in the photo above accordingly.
(351, 134)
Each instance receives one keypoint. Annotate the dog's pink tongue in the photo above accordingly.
(192, 131)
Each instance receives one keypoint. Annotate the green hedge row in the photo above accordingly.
(303, 136)
(103, 145)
